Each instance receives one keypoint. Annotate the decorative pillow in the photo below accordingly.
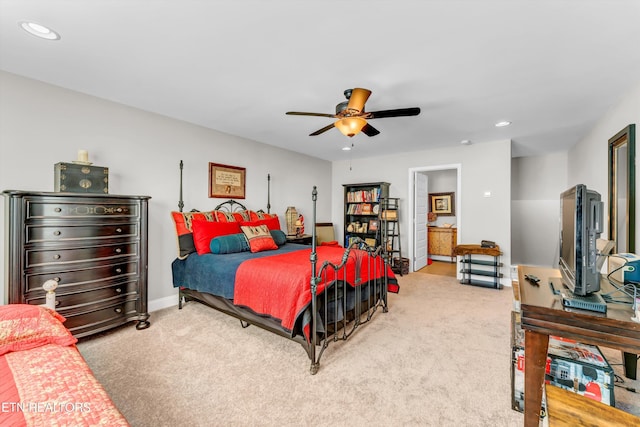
(230, 244)
(279, 237)
(204, 231)
(254, 216)
(271, 223)
(259, 238)
(224, 216)
(183, 221)
(25, 326)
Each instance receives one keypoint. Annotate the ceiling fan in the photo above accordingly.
(351, 116)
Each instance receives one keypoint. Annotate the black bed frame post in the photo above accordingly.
(314, 287)
(180, 201)
(268, 193)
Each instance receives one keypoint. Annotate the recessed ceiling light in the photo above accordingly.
(502, 124)
(465, 142)
(346, 148)
(39, 30)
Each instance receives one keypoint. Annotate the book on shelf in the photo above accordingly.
(360, 209)
(360, 196)
(370, 242)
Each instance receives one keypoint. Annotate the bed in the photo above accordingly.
(313, 295)
(44, 380)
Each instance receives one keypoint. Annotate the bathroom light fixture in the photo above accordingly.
(39, 30)
(502, 124)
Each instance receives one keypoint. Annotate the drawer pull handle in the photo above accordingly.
(57, 279)
(57, 210)
(119, 210)
(118, 310)
(119, 290)
(118, 230)
(57, 233)
(57, 303)
(118, 270)
(118, 250)
(56, 256)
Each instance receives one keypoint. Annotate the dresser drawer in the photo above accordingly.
(37, 257)
(88, 297)
(47, 233)
(82, 278)
(89, 322)
(58, 209)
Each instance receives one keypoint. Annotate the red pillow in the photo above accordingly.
(271, 223)
(183, 221)
(24, 326)
(259, 238)
(204, 231)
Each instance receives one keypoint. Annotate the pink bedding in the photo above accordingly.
(53, 385)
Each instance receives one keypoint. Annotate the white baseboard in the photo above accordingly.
(160, 303)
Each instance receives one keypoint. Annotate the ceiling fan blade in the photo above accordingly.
(298, 113)
(324, 129)
(370, 130)
(358, 97)
(400, 112)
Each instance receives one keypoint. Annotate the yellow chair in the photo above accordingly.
(325, 235)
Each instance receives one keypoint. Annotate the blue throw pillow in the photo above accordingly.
(279, 237)
(229, 244)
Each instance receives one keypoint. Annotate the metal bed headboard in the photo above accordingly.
(229, 205)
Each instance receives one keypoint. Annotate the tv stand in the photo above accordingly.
(544, 315)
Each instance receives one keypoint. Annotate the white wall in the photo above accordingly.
(484, 167)
(588, 159)
(535, 208)
(41, 125)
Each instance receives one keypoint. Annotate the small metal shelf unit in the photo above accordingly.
(480, 261)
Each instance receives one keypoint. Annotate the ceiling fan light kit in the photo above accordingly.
(350, 126)
(352, 119)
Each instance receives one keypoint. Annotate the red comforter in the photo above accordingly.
(280, 285)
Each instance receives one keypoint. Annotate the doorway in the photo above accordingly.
(422, 181)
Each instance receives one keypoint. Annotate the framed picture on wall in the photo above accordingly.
(226, 181)
(442, 204)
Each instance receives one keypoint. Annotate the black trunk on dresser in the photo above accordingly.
(93, 245)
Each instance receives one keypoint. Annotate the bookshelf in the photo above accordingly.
(362, 211)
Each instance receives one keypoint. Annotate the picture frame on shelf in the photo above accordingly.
(373, 225)
(442, 204)
(226, 181)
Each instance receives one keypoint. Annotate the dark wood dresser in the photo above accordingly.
(94, 246)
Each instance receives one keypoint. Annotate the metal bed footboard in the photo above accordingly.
(343, 307)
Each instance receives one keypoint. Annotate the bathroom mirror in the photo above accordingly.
(622, 190)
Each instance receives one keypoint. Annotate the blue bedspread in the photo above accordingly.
(216, 273)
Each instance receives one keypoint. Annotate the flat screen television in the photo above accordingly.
(581, 212)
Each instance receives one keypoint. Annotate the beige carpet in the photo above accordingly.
(440, 268)
(439, 357)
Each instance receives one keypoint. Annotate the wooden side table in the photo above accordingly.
(469, 264)
(305, 239)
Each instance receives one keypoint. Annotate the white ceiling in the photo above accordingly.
(552, 67)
